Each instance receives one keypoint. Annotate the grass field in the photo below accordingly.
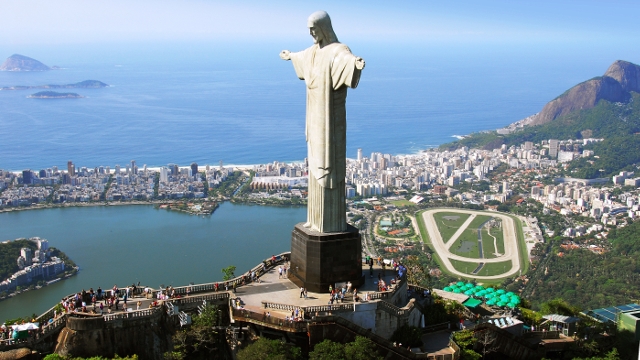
(489, 245)
(401, 203)
(448, 227)
(487, 270)
(462, 265)
(495, 268)
(467, 244)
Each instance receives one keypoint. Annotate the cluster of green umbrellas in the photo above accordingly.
(491, 296)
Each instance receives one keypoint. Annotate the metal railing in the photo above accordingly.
(263, 319)
(133, 314)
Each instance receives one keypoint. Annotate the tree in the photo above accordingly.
(466, 341)
(361, 348)
(407, 336)
(560, 307)
(201, 340)
(487, 341)
(228, 272)
(327, 350)
(265, 349)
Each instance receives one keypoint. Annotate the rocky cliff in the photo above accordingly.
(18, 62)
(615, 85)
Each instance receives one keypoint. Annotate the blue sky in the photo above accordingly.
(30, 22)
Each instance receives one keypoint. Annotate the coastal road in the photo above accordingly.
(510, 243)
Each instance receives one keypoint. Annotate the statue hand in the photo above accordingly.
(285, 55)
(359, 63)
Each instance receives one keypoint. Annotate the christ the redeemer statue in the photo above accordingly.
(328, 68)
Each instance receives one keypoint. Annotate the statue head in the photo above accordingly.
(319, 24)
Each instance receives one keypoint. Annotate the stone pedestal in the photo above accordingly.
(322, 259)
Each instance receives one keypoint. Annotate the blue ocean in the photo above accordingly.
(241, 104)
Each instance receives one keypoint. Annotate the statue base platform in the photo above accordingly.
(322, 259)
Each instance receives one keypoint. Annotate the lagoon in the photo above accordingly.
(138, 243)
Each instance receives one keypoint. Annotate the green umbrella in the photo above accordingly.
(479, 287)
(468, 292)
(501, 303)
(510, 293)
(504, 298)
(491, 302)
(490, 290)
(460, 283)
(515, 301)
(511, 305)
(457, 291)
(448, 289)
(500, 291)
(481, 293)
(470, 284)
(490, 295)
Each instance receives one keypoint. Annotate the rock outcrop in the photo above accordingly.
(615, 85)
(18, 62)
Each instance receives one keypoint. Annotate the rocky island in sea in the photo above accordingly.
(86, 84)
(17, 62)
(54, 95)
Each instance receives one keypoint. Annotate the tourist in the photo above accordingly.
(349, 286)
(138, 305)
(101, 308)
(301, 291)
(188, 290)
(280, 272)
(305, 293)
(99, 292)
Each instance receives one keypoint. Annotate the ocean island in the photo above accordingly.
(86, 84)
(54, 95)
(17, 62)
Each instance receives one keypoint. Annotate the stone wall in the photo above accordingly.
(147, 336)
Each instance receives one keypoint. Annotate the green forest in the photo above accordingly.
(9, 253)
(586, 279)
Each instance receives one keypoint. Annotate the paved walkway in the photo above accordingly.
(271, 288)
(283, 291)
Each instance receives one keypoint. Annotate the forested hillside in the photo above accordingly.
(9, 253)
(589, 280)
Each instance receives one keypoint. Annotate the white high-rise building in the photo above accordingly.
(359, 158)
(164, 174)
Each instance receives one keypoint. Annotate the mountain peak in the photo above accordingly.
(626, 73)
(615, 85)
(17, 62)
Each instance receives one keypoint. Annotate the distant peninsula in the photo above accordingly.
(54, 95)
(17, 62)
(87, 84)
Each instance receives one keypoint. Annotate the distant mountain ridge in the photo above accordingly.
(615, 85)
(17, 62)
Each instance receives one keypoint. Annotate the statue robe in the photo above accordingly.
(327, 72)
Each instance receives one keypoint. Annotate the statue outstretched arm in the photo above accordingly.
(285, 55)
(359, 63)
